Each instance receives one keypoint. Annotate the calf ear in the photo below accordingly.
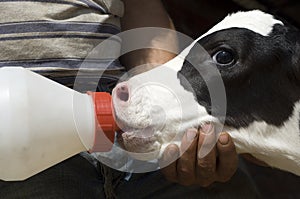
(291, 43)
(296, 61)
(287, 38)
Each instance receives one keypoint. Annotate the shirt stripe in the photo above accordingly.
(85, 2)
(55, 36)
(67, 63)
(50, 26)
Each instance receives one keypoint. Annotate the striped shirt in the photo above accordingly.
(56, 38)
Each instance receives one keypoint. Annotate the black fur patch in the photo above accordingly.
(264, 82)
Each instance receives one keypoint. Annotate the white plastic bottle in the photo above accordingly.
(43, 123)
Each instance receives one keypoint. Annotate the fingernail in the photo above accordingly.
(191, 134)
(207, 128)
(172, 153)
(223, 138)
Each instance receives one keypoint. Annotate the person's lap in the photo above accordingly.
(79, 178)
(154, 185)
(73, 178)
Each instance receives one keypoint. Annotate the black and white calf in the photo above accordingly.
(258, 59)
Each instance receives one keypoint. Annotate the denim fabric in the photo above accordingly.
(71, 179)
(78, 178)
(154, 185)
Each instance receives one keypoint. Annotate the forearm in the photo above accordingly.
(163, 44)
(145, 13)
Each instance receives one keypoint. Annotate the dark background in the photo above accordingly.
(194, 17)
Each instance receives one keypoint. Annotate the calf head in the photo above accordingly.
(247, 67)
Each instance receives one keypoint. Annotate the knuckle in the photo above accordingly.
(186, 177)
(206, 175)
(207, 166)
(184, 159)
(184, 170)
(186, 173)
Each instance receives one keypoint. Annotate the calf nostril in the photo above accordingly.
(122, 93)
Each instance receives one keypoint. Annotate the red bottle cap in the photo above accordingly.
(104, 120)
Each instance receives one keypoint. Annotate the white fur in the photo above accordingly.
(255, 20)
(278, 147)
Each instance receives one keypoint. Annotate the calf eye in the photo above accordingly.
(224, 58)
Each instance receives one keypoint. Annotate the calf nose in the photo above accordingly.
(122, 92)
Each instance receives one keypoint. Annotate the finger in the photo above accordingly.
(186, 163)
(188, 142)
(168, 163)
(206, 164)
(228, 159)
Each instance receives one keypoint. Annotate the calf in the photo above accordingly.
(243, 75)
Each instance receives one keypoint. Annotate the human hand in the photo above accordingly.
(218, 165)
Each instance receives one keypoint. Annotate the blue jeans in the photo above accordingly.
(78, 178)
